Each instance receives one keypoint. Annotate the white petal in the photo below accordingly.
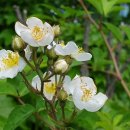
(49, 47)
(48, 28)
(36, 83)
(33, 21)
(77, 98)
(71, 85)
(96, 102)
(27, 37)
(82, 56)
(20, 28)
(46, 40)
(48, 96)
(21, 64)
(89, 84)
(60, 50)
(28, 52)
(70, 48)
(9, 73)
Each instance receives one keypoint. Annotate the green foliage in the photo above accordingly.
(70, 16)
(18, 115)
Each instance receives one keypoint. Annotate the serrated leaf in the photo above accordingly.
(18, 115)
(115, 31)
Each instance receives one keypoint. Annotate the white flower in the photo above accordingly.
(28, 52)
(49, 87)
(35, 33)
(10, 64)
(84, 95)
(72, 50)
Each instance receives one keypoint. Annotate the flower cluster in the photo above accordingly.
(54, 84)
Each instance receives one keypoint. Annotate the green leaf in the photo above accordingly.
(7, 89)
(18, 115)
(115, 31)
(97, 4)
(107, 6)
(2, 122)
(117, 119)
(123, 1)
(127, 31)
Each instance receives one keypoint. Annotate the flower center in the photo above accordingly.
(87, 94)
(10, 61)
(62, 43)
(50, 88)
(37, 33)
(80, 50)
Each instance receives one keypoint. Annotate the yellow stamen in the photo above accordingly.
(80, 49)
(37, 33)
(10, 61)
(50, 88)
(62, 43)
(87, 94)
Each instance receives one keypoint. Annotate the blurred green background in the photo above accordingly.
(115, 22)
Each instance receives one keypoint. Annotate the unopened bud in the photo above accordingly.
(51, 53)
(60, 66)
(62, 95)
(56, 30)
(18, 44)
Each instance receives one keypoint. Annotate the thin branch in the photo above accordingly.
(19, 14)
(108, 46)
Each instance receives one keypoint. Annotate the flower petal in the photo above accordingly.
(82, 56)
(33, 21)
(48, 28)
(70, 48)
(69, 85)
(36, 83)
(27, 37)
(9, 73)
(21, 64)
(48, 96)
(89, 84)
(20, 28)
(46, 40)
(28, 52)
(96, 102)
(77, 98)
(60, 50)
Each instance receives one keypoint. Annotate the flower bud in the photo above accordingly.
(18, 44)
(51, 53)
(56, 30)
(60, 66)
(62, 95)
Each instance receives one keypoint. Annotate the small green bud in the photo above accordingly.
(51, 53)
(60, 66)
(18, 44)
(62, 95)
(56, 30)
